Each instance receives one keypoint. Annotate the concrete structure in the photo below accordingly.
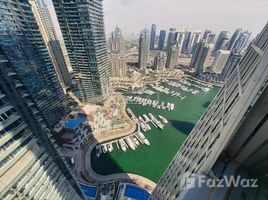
(144, 45)
(84, 37)
(230, 65)
(117, 60)
(173, 56)
(161, 41)
(23, 45)
(230, 139)
(31, 164)
(220, 60)
(199, 57)
(153, 36)
(159, 61)
(47, 30)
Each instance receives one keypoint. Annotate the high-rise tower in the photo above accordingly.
(173, 56)
(144, 45)
(84, 37)
(233, 39)
(161, 42)
(153, 35)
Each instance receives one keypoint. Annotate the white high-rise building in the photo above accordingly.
(230, 139)
(159, 61)
(220, 60)
(144, 46)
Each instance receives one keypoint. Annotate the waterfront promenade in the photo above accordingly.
(85, 160)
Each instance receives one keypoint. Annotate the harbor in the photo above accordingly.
(176, 123)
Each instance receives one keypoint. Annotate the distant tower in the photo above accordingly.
(206, 34)
(233, 39)
(221, 40)
(211, 38)
(144, 44)
(200, 55)
(153, 35)
(220, 60)
(186, 42)
(242, 42)
(161, 42)
(230, 65)
(171, 37)
(180, 38)
(117, 59)
(173, 56)
(196, 36)
(159, 61)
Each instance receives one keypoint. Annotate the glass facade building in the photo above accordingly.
(82, 27)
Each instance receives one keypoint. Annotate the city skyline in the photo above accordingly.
(228, 15)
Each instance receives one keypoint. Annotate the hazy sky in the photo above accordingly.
(133, 15)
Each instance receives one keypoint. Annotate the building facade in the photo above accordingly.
(234, 38)
(82, 27)
(230, 138)
(173, 56)
(222, 40)
(153, 36)
(117, 60)
(47, 30)
(231, 64)
(144, 46)
(220, 61)
(31, 165)
(22, 44)
(161, 41)
(159, 61)
(171, 38)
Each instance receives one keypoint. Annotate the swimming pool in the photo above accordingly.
(74, 123)
(89, 191)
(135, 192)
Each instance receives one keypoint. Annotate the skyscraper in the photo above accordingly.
(234, 38)
(117, 59)
(206, 34)
(161, 42)
(153, 35)
(200, 55)
(229, 139)
(47, 30)
(23, 45)
(144, 45)
(171, 38)
(84, 37)
(221, 41)
(242, 42)
(231, 64)
(195, 38)
(180, 38)
(173, 56)
(117, 42)
(186, 42)
(159, 61)
(220, 60)
(211, 38)
(31, 166)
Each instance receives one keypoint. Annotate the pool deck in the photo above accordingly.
(85, 160)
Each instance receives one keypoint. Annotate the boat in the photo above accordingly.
(104, 148)
(130, 143)
(172, 106)
(122, 144)
(135, 140)
(163, 119)
(144, 138)
(110, 147)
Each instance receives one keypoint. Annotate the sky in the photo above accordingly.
(134, 15)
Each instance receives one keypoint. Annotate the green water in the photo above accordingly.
(151, 161)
